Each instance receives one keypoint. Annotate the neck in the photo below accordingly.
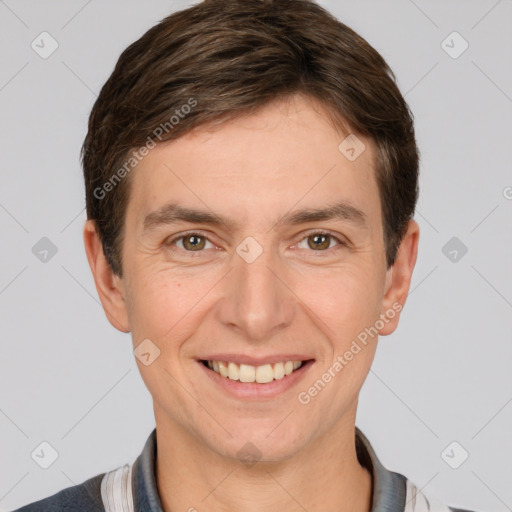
(326, 476)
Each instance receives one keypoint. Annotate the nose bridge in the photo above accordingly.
(256, 301)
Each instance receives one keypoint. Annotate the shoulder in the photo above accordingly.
(84, 497)
(417, 501)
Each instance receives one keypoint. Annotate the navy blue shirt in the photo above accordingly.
(390, 491)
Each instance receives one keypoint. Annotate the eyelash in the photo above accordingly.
(341, 243)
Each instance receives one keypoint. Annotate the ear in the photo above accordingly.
(398, 279)
(109, 286)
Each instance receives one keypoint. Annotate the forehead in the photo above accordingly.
(285, 154)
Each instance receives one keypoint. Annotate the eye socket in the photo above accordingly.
(191, 239)
(194, 241)
(319, 239)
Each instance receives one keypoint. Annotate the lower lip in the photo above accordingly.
(254, 390)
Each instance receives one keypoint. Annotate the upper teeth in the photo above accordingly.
(248, 373)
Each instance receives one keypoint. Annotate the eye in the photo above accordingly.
(191, 242)
(319, 241)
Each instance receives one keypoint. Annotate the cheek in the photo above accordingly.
(163, 303)
(348, 306)
(346, 299)
(153, 303)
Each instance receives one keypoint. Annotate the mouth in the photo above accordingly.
(261, 379)
(260, 374)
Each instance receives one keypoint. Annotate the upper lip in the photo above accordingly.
(256, 361)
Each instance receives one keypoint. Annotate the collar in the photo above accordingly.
(388, 493)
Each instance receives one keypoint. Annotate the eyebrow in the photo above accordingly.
(172, 213)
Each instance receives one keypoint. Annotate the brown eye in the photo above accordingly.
(188, 243)
(193, 242)
(319, 241)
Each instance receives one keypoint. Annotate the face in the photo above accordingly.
(247, 280)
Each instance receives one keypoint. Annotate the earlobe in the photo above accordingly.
(398, 279)
(109, 286)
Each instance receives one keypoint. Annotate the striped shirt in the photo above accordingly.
(132, 488)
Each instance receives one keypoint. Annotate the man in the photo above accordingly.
(251, 176)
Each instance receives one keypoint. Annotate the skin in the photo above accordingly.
(292, 298)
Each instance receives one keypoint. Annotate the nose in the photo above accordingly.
(256, 301)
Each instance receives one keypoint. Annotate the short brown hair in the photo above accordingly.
(225, 58)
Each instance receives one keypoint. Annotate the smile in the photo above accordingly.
(262, 374)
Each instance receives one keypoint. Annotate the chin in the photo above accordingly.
(267, 441)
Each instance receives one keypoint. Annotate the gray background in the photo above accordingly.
(67, 377)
